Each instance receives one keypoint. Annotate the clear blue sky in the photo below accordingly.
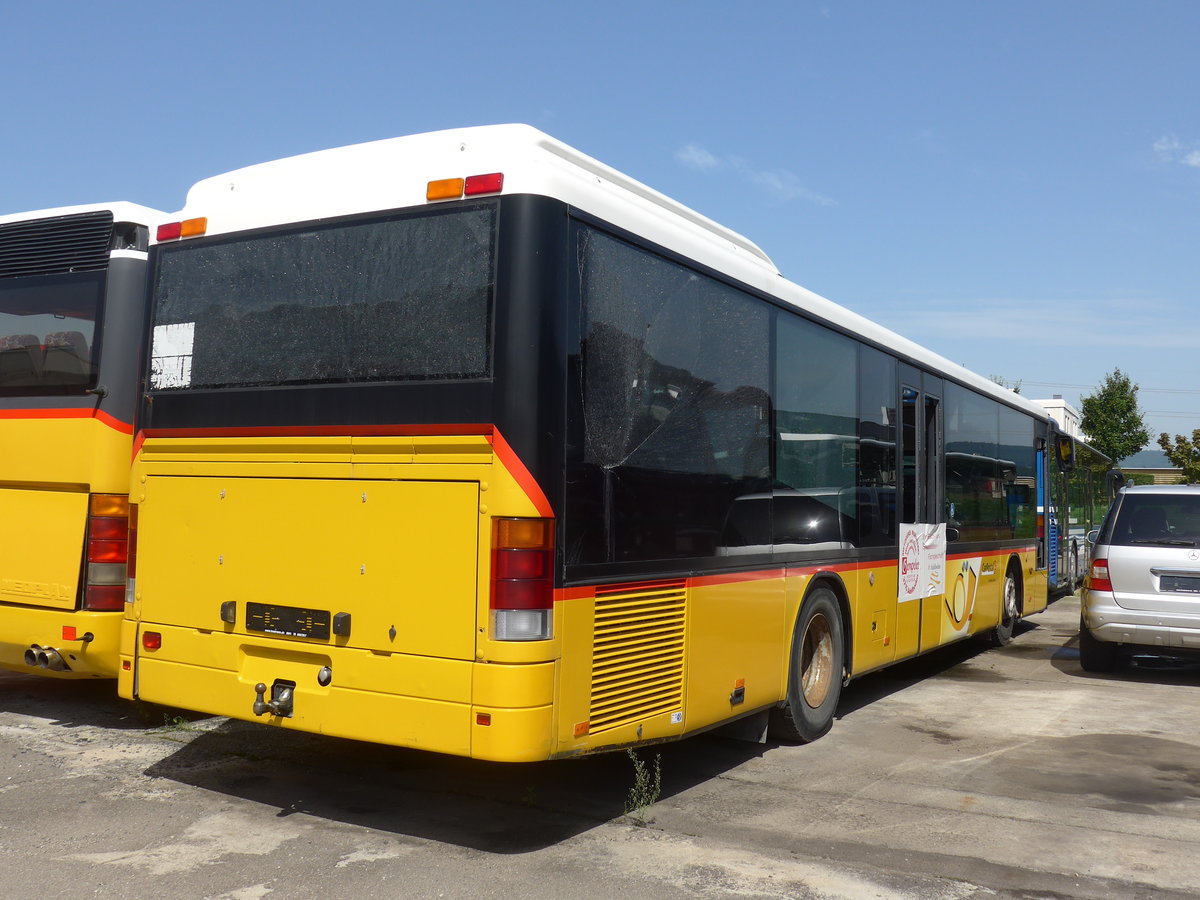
(1013, 184)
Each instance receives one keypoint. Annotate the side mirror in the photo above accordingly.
(1093, 535)
(1066, 453)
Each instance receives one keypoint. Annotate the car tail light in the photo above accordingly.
(522, 599)
(1098, 579)
(107, 552)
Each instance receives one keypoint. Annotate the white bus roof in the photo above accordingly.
(394, 173)
(121, 210)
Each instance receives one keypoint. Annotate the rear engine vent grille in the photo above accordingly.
(637, 660)
(78, 243)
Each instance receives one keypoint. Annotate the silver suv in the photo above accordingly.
(1142, 593)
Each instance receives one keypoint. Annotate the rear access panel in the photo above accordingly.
(41, 546)
(388, 566)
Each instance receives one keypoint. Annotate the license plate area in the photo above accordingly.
(1186, 584)
(288, 621)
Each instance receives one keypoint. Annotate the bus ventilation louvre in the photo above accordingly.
(56, 246)
(637, 663)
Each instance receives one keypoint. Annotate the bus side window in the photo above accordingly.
(19, 365)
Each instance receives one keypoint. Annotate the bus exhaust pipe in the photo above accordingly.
(31, 656)
(49, 658)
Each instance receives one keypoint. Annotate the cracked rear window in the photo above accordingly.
(406, 298)
(675, 410)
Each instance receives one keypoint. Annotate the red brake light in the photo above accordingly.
(484, 184)
(107, 551)
(107, 528)
(524, 564)
(151, 640)
(1098, 577)
(104, 597)
(169, 232)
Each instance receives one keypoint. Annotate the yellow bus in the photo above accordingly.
(72, 309)
(467, 442)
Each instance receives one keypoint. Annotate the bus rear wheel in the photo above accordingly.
(816, 671)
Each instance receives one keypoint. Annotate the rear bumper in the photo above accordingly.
(23, 627)
(1161, 631)
(486, 711)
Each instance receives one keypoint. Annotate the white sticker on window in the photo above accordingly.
(171, 355)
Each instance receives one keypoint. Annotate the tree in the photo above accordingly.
(1112, 420)
(1183, 453)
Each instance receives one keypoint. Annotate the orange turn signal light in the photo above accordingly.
(108, 505)
(445, 189)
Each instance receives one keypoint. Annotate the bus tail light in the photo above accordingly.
(522, 601)
(131, 561)
(107, 552)
(1098, 578)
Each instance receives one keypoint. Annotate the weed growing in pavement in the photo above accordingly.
(647, 787)
(176, 723)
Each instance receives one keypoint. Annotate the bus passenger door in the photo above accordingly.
(922, 499)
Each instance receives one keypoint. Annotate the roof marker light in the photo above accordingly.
(484, 184)
(187, 228)
(446, 189)
(194, 227)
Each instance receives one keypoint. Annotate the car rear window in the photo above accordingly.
(1167, 519)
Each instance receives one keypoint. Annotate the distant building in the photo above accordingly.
(1067, 416)
(1153, 463)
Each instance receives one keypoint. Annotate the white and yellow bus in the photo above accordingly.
(466, 442)
(72, 311)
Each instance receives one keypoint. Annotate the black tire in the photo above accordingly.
(815, 673)
(1094, 655)
(1010, 610)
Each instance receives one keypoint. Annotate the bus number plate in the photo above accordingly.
(289, 621)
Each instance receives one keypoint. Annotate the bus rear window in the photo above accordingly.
(407, 298)
(47, 332)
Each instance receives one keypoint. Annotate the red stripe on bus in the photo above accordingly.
(525, 480)
(97, 414)
(589, 591)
